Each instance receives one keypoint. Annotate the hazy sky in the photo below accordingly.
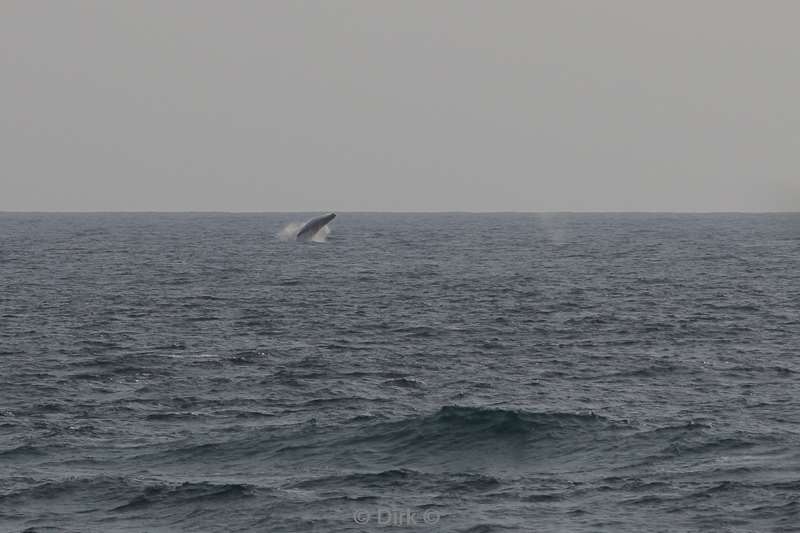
(372, 105)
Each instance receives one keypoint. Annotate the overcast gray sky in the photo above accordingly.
(679, 105)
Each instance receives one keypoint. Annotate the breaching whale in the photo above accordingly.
(311, 227)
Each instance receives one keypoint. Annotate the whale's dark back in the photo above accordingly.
(314, 225)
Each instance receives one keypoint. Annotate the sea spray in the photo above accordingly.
(289, 232)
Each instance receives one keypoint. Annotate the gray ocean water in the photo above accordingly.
(452, 372)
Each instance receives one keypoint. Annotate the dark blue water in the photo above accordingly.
(415, 372)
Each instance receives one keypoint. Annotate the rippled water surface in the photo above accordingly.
(448, 372)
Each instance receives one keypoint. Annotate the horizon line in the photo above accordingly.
(431, 212)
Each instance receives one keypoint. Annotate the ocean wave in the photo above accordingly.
(23, 450)
(395, 476)
(66, 487)
(127, 494)
(404, 382)
(450, 434)
(481, 434)
(448, 482)
(196, 493)
(482, 422)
